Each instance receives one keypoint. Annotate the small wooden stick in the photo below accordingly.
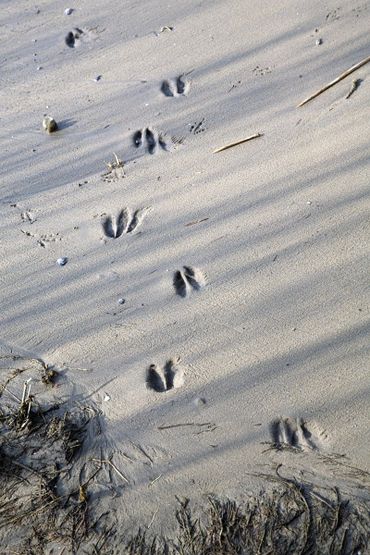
(184, 424)
(230, 145)
(335, 81)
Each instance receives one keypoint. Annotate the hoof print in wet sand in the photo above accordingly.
(155, 379)
(295, 433)
(73, 37)
(176, 87)
(151, 140)
(180, 284)
(172, 377)
(187, 279)
(125, 222)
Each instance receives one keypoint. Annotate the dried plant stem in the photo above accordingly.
(155, 479)
(113, 466)
(24, 394)
(12, 395)
(34, 512)
(37, 473)
(236, 143)
(335, 81)
(152, 519)
(169, 426)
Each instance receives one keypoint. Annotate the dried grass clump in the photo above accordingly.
(49, 496)
(293, 519)
(44, 481)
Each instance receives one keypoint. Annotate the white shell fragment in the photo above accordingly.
(62, 261)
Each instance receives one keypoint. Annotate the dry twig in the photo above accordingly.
(236, 143)
(169, 426)
(335, 81)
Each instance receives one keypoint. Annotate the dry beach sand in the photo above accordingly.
(247, 268)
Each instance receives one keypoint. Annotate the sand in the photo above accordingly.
(275, 320)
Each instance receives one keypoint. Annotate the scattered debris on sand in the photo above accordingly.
(115, 169)
(335, 81)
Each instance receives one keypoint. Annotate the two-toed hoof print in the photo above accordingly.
(297, 433)
(73, 37)
(170, 377)
(187, 279)
(180, 86)
(150, 139)
(124, 222)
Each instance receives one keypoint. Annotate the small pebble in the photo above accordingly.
(318, 42)
(62, 261)
(97, 78)
(121, 301)
(38, 68)
(68, 11)
(49, 124)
